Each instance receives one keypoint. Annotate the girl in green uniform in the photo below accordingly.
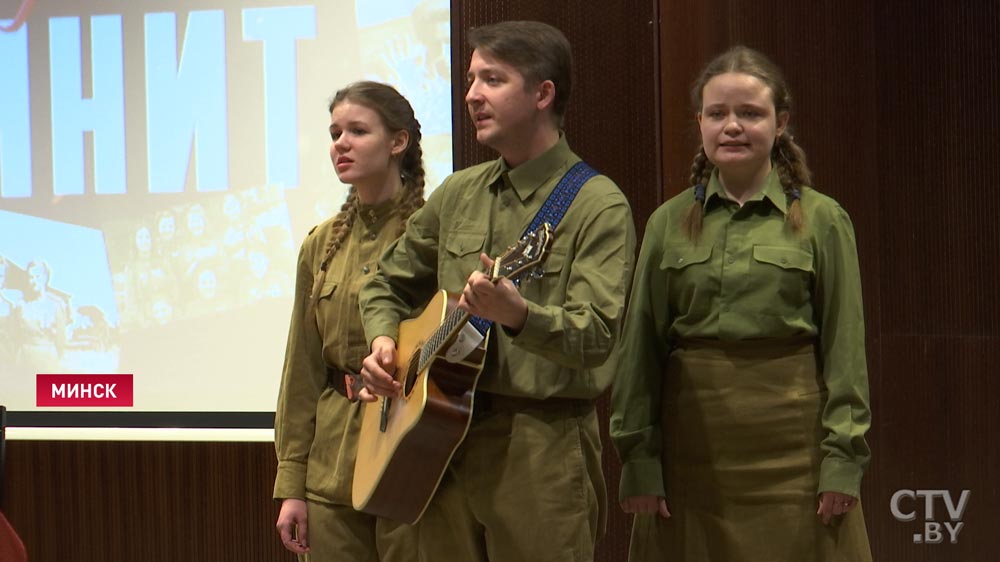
(742, 401)
(375, 149)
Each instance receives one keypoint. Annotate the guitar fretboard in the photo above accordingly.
(452, 323)
(526, 254)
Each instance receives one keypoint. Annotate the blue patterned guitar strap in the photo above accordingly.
(552, 211)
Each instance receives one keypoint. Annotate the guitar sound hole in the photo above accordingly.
(411, 375)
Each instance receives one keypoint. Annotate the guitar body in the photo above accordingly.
(398, 470)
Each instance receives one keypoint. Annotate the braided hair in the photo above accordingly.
(787, 157)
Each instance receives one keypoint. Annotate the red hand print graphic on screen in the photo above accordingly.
(20, 18)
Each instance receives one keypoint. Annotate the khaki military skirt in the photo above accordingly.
(741, 457)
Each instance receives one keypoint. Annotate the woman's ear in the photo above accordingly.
(782, 122)
(400, 141)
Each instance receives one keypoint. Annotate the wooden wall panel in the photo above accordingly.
(150, 502)
(691, 33)
(939, 254)
(938, 418)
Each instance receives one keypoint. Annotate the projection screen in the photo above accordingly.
(160, 164)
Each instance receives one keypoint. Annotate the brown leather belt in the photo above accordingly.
(346, 384)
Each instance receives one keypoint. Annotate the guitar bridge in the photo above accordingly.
(383, 420)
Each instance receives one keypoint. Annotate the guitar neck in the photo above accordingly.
(523, 256)
(452, 323)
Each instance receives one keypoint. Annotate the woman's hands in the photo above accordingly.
(834, 503)
(293, 527)
(830, 504)
(646, 505)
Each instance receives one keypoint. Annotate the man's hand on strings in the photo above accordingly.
(500, 302)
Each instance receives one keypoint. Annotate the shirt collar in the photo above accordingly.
(527, 178)
(376, 215)
(772, 190)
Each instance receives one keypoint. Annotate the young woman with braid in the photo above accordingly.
(375, 149)
(741, 405)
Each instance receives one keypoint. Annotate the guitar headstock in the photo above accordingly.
(525, 256)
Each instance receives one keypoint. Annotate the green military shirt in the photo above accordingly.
(575, 309)
(315, 428)
(747, 277)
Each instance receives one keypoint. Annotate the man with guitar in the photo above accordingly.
(526, 481)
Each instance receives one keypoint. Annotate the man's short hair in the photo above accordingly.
(537, 50)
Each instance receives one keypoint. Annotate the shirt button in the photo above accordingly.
(732, 260)
(680, 260)
(725, 308)
(365, 269)
(784, 260)
(372, 236)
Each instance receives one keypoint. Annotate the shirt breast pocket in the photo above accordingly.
(461, 258)
(785, 269)
(541, 283)
(327, 290)
(324, 304)
(677, 260)
(685, 272)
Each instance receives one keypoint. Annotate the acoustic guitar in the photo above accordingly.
(407, 441)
